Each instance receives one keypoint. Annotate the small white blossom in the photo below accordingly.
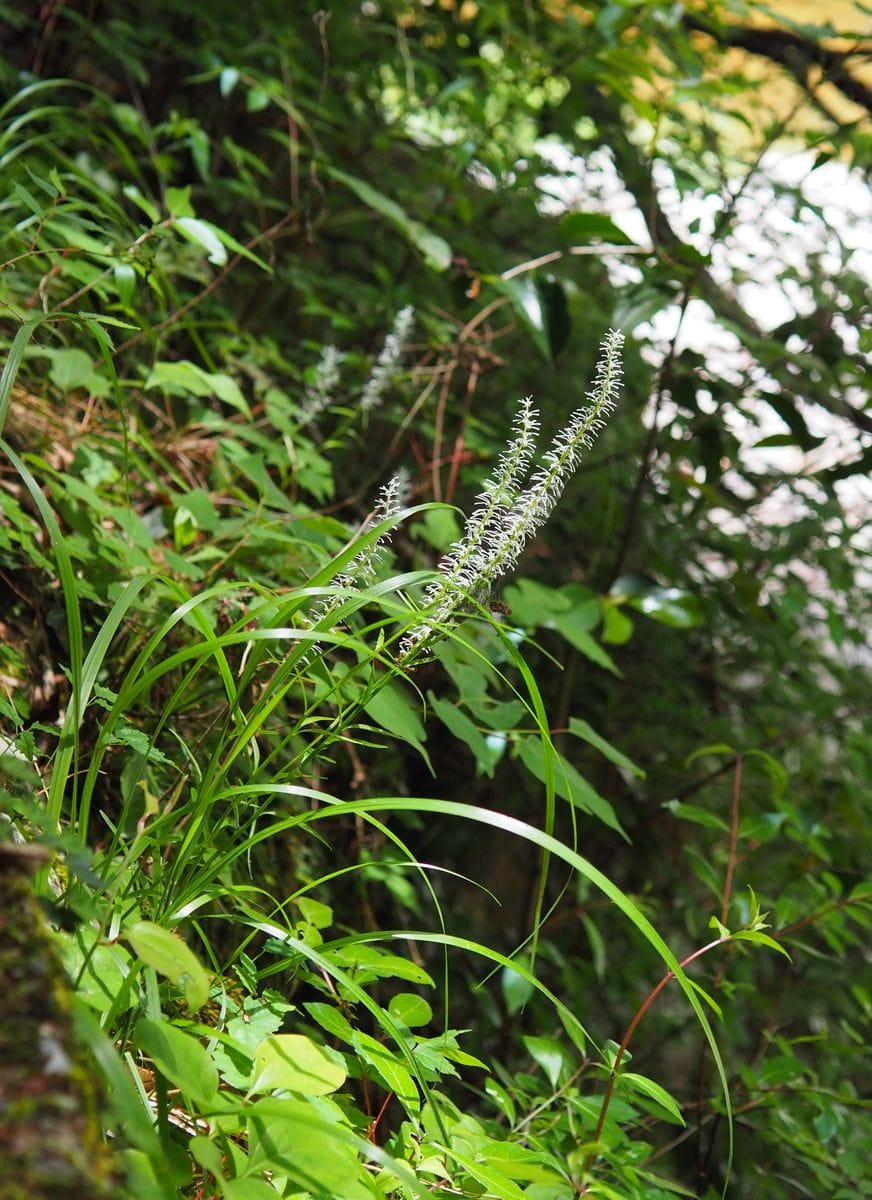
(361, 570)
(320, 393)
(504, 517)
(387, 365)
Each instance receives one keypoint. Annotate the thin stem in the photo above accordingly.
(631, 1029)
(734, 835)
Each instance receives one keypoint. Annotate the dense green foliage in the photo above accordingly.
(373, 879)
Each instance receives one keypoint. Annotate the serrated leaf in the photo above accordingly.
(392, 1071)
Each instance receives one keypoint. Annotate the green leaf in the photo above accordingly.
(585, 227)
(527, 302)
(294, 1062)
(696, 814)
(72, 369)
(315, 912)
(647, 1087)
(516, 989)
(763, 939)
(168, 955)
(464, 730)
(393, 708)
(125, 282)
(617, 626)
(436, 251)
(411, 1009)
(568, 783)
(534, 604)
(179, 1057)
(187, 379)
(670, 606)
(331, 1019)
(227, 80)
(571, 626)
(202, 234)
(548, 1054)
(389, 1067)
(581, 729)
(292, 1137)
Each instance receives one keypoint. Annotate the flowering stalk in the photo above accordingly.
(505, 518)
(360, 571)
(319, 395)
(387, 364)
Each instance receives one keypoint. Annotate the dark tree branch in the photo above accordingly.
(797, 54)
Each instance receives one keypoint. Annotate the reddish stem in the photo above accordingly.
(631, 1029)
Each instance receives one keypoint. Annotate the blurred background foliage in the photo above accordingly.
(200, 198)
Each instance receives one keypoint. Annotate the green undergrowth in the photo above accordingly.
(321, 764)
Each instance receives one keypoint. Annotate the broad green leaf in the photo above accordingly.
(294, 1062)
(516, 989)
(617, 626)
(548, 1054)
(411, 1009)
(671, 606)
(571, 626)
(167, 953)
(494, 1181)
(72, 369)
(180, 1057)
(125, 281)
(393, 707)
(527, 302)
(227, 80)
(187, 379)
(514, 1161)
(248, 1189)
(465, 731)
(101, 983)
(315, 912)
(293, 1137)
(534, 604)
